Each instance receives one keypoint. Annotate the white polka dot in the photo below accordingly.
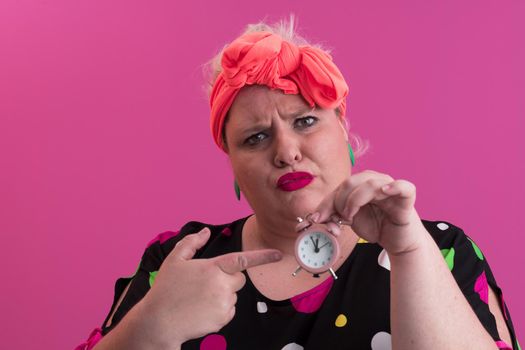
(292, 346)
(381, 341)
(442, 226)
(383, 260)
(262, 307)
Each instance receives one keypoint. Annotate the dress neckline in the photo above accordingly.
(320, 288)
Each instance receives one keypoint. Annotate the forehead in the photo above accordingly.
(256, 103)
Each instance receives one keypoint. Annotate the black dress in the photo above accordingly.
(352, 312)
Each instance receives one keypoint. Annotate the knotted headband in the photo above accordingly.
(263, 58)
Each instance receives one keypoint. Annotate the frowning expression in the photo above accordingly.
(286, 156)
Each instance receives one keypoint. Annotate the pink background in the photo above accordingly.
(104, 135)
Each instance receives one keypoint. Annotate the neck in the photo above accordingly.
(274, 234)
(262, 234)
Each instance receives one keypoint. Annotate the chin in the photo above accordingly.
(302, 204)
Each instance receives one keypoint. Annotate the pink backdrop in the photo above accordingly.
(104, 134)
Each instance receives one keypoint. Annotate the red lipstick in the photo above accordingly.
(294, 181)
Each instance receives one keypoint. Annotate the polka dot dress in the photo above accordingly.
(352, 312)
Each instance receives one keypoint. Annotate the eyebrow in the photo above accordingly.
(258, 126)
(301, 110)
(252, 129)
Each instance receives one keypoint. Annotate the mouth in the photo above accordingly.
(294, 181)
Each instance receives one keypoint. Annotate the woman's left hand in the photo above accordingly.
(377, 207)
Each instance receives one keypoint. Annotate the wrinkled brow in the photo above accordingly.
(254, 122)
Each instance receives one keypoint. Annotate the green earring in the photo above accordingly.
(351, 152)
(237, 190)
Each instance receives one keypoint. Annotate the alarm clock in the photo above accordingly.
(316, 250)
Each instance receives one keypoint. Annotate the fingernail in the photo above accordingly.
(277, 256)
(333, 228)
(302, 226)
(334, 232)
(315, 217)
(206, 229)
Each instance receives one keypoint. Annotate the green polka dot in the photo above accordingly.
(152, 276)
(476, 249)
(448, 254)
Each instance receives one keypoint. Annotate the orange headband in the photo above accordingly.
(263, 58)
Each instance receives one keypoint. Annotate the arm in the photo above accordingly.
(149, 315)
(130, 334)
(428, 310)
(501, 326)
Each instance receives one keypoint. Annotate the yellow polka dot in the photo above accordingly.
(361, 240)
(340, 321)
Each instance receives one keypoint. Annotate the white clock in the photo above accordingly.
(316, 251)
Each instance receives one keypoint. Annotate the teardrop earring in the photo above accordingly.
(237, 190)
(351, 153)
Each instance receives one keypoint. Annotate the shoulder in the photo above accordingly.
(224, 236)
(447, 235)
(474, 276)
(458, 249)
(464, 258)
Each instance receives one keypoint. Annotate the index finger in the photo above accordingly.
(236, 262)
(335, 202)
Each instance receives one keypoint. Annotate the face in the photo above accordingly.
(270, 134)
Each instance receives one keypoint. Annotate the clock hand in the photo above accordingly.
(323, 245)
(314, 242)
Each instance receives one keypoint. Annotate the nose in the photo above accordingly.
(287, 150)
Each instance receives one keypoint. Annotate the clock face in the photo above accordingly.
(316, 250)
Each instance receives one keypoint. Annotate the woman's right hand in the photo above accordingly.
(194, 297)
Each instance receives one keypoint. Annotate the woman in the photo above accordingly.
(277, 110)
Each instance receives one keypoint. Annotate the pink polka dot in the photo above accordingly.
(226, 231)
(502, 345)
(93, 339)
(163, 237)
(311, 300)
(481, 287)
(213, 342)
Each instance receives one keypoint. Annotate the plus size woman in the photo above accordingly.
(278, 109)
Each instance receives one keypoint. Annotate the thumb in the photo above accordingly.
(186, 248)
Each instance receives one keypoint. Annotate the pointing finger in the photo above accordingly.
(236, 262)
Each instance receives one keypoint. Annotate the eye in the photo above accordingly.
(255, 139)
(305, 122)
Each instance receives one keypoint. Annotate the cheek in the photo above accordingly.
(331, 155)
(249, 171)
(328, 147)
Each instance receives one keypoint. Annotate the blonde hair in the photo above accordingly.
(286, 29)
